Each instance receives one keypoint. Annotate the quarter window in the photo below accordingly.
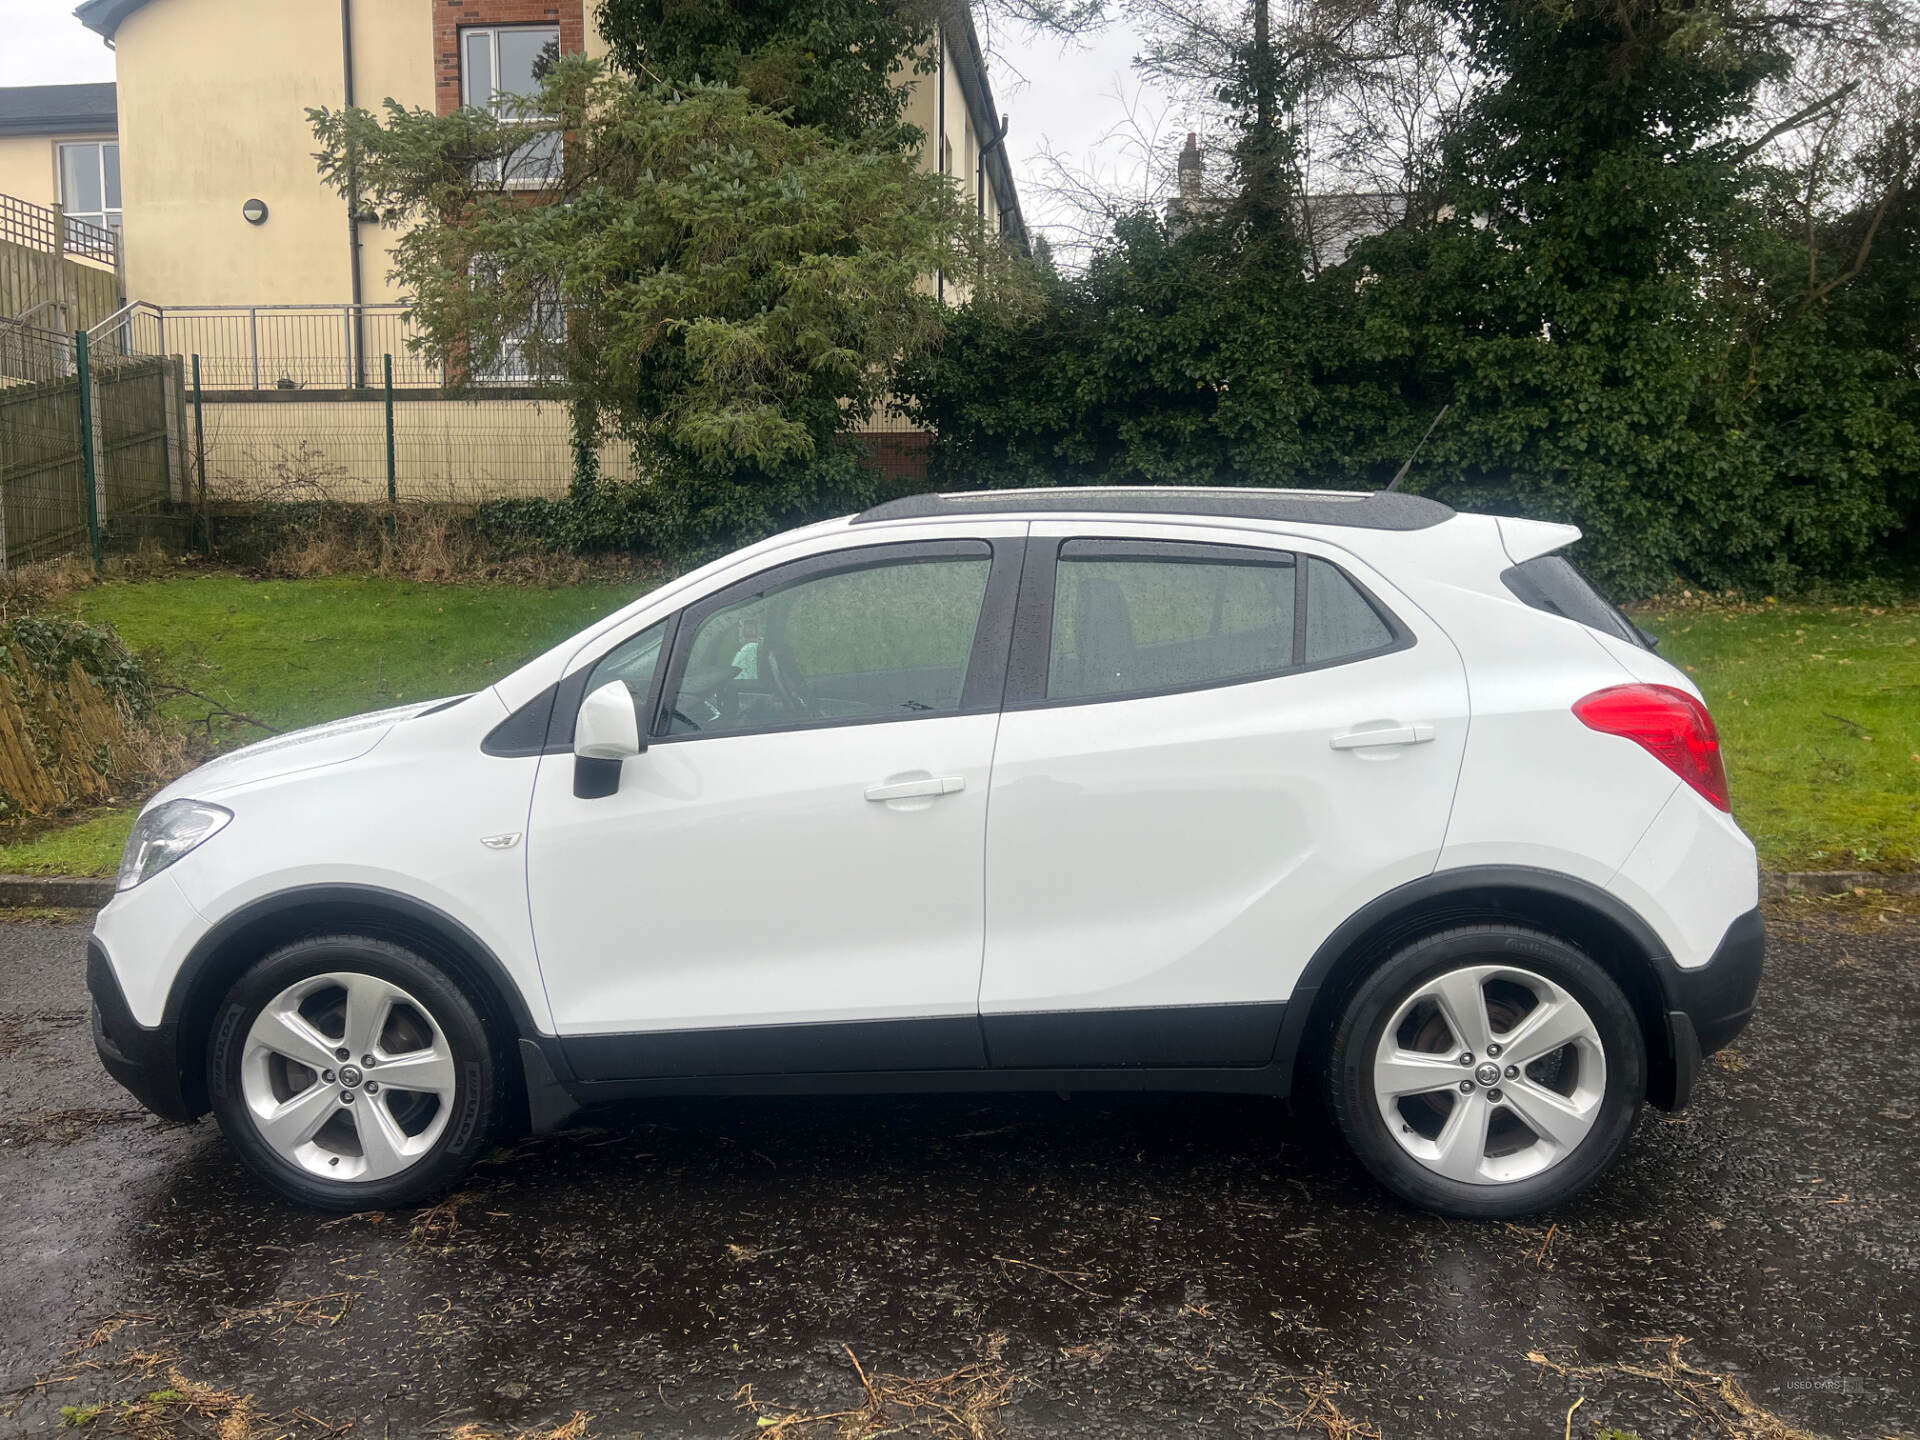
(90, 184)
(888, 641)
(1341, 623)
(1139, 618)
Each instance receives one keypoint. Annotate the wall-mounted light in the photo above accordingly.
(255, 212)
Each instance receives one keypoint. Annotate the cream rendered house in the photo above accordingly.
(222, 202)
(235, 252)
(59, 145)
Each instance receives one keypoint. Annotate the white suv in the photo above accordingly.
(1226, 790)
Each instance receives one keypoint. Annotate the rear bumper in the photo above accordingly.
(1708, 1005)
(144, 1060)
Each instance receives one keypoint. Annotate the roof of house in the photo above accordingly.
(57, 109)
(1366, 510)
(104, 16)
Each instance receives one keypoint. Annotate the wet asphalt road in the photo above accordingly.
(1131, 1266)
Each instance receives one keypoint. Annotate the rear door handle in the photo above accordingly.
(1418, 733)
(908, 789)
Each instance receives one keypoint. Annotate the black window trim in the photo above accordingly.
(1032, 653)
(980, 692)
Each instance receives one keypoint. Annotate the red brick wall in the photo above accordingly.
(450, 15)
(899, 455)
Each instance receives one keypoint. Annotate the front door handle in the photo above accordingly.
(908, 789)
(1418, 733)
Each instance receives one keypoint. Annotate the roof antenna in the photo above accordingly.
(1395, 485)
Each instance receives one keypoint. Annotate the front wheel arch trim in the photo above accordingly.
(260, 926)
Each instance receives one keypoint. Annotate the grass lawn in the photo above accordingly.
(1819, 715)
(297, 652)
(1819, 708)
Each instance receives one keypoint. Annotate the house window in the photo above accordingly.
(502, 67)
(528, 353)
(90, 183)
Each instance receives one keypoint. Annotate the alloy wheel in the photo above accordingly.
(1489, 1074)
(347, 1076)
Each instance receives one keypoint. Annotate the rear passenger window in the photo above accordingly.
(1341, 622)
(1138, 618)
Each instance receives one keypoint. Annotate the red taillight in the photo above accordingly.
(1669, 724)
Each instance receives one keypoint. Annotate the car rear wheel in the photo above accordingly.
(1490, 1072)
(353, 1074)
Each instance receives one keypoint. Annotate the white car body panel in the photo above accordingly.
(1691, 870)
(747, 880)
(1196, 848)
(407, 816)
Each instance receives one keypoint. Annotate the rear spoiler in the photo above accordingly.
(1525, 540)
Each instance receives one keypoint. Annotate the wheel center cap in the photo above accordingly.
(350, 1075)
(1487, 1073)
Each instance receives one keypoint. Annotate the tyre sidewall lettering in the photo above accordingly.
(221, 1067)
(461, 1132)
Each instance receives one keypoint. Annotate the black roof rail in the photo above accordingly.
(1362, 509)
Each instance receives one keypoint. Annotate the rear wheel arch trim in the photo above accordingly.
(1501, 894)
(262, 925)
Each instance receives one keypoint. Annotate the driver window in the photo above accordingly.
(886, 641)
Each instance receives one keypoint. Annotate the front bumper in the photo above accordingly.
(1708, 1005)
(146, 1061)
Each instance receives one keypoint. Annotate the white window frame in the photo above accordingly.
(492, 102)
(106, 218)
(510, 366)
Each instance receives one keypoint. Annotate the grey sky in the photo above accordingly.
(42, 44)
(1066, 98)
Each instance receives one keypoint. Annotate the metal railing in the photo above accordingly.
(287, 347)
(276, 347)
(29, 353)
(40, 228)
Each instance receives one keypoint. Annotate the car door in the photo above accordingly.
(788, 878)
(1217, 745)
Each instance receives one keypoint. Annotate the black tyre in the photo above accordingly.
(1487, 1072)
(352, 1074)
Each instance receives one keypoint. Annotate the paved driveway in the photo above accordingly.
(1094, 1265)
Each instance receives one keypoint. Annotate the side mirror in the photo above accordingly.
(605, 733)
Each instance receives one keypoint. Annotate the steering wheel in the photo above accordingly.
(777, 663)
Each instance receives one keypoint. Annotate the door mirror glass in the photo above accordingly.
(607, 728)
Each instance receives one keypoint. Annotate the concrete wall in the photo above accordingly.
(461, 451)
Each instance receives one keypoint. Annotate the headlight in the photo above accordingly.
(164, 834)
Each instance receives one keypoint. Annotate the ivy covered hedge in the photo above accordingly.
(1631, 325)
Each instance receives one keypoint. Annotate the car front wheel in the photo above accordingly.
(353, 1074)
(1487, 1072)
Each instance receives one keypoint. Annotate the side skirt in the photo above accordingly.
(1224, 1049)
(1271, 1080)
(1174, 1038)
